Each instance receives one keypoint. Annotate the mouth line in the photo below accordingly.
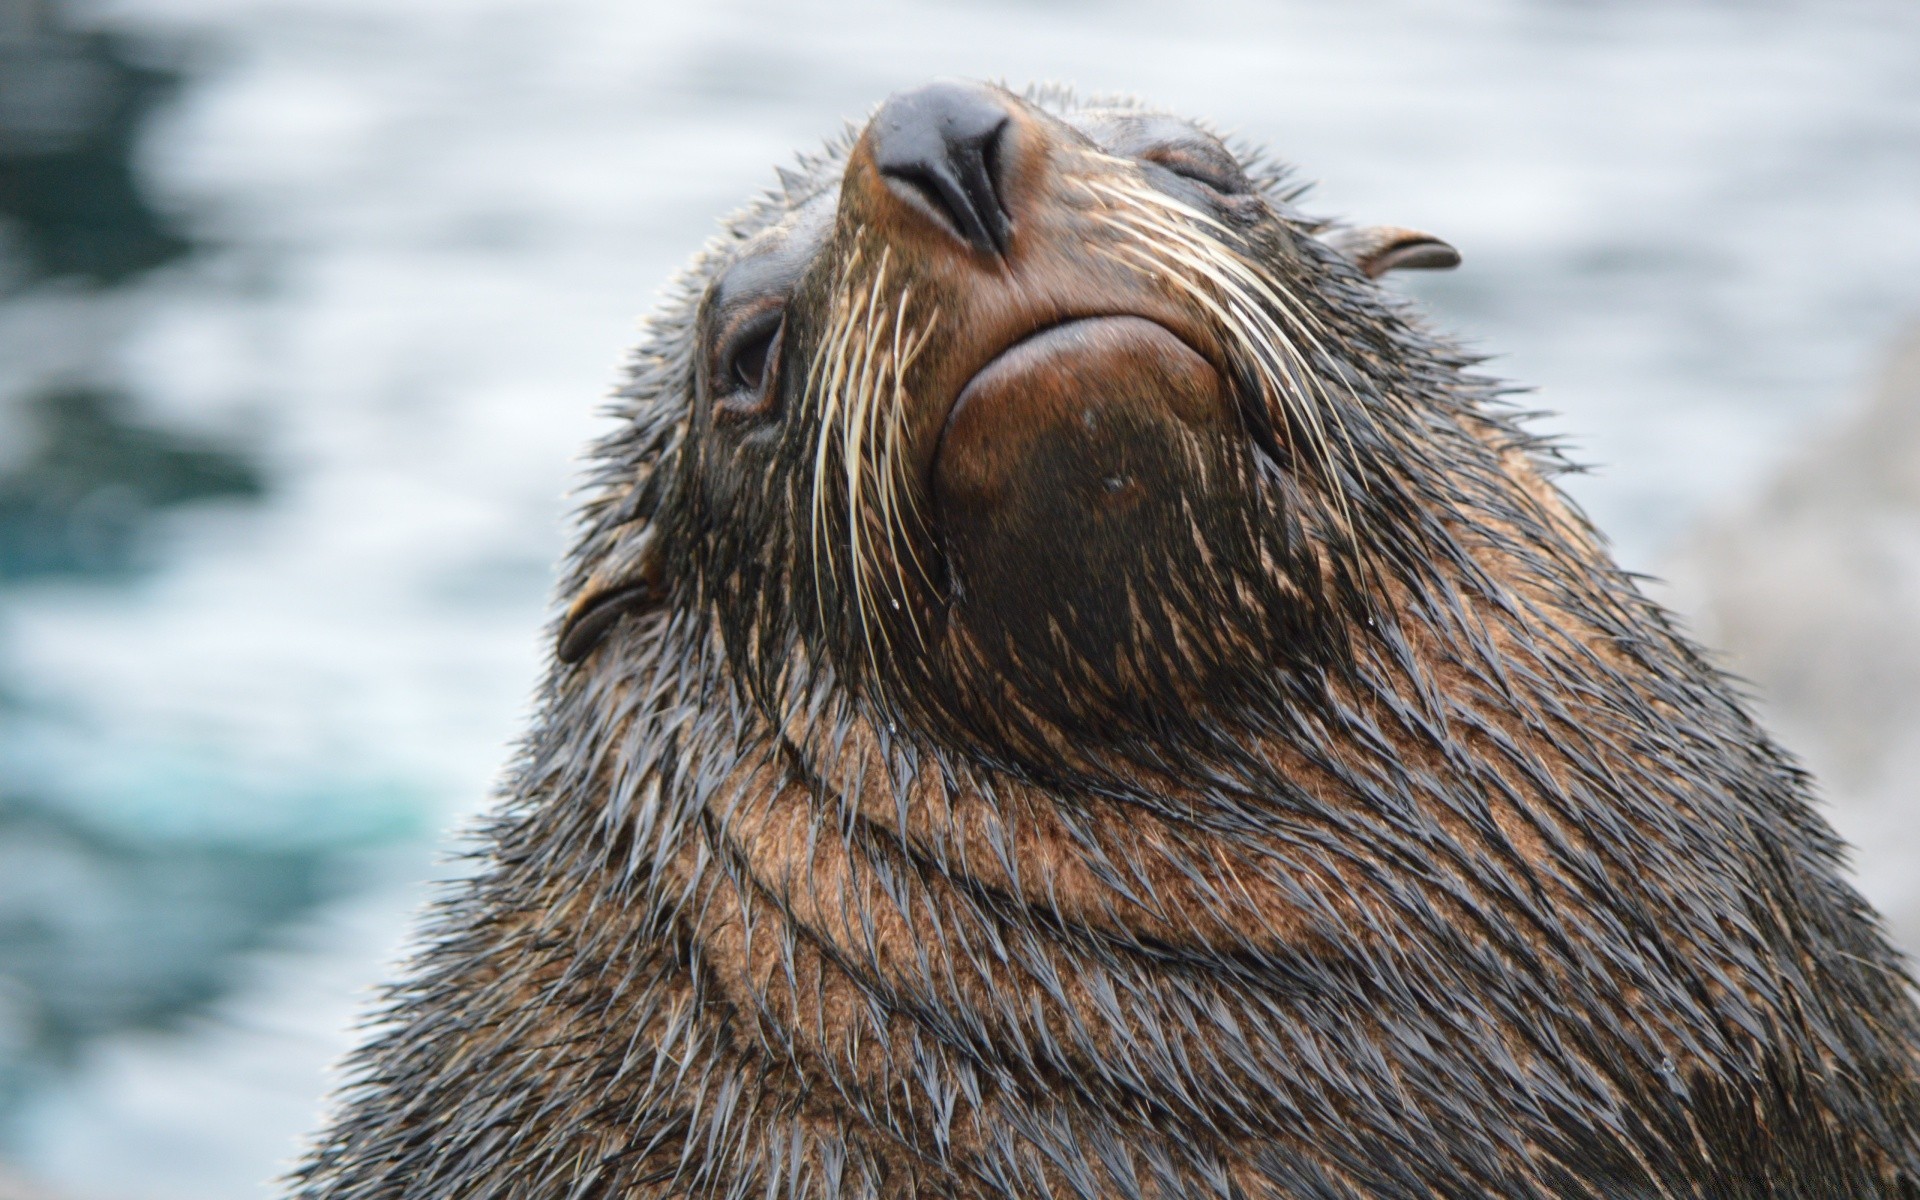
(1036, 333)
(1052, 327)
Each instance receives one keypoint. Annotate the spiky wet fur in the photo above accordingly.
(1482, 884)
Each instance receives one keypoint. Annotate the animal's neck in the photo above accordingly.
(720, 950)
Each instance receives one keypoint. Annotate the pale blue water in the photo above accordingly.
(1691, 226)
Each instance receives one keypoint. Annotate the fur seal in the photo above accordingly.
(1071, 690)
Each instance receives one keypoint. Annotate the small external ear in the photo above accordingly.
(632, 579)
(1377, 249)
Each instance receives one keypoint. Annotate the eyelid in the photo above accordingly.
(732, 399)
(755, 355)
(739, 322)
(1221, 174)
(750, 319)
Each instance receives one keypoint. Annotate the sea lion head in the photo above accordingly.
(1036, 424)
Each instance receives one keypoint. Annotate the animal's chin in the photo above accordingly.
(1072, 466)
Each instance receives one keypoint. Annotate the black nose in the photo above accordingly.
(939, 148)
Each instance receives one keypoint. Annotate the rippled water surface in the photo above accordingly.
(426, 231)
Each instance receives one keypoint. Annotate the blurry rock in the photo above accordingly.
(1812, 592)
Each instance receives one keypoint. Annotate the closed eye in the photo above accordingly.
(1215, 171)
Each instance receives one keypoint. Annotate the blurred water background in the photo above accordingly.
(306, 305)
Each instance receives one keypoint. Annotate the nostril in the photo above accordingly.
(961, 191)
(939, 148)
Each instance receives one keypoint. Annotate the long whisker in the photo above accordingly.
(853, 433)
(857, 380)
(1282, 301)
(1279, 299)
(906, 348)
(826, 381)
(1244, 304)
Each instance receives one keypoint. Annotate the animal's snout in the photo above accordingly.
(939, 148)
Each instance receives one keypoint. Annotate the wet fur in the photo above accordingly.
(1454, 871)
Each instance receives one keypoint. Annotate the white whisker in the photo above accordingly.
(1165, 238)
(858, 382)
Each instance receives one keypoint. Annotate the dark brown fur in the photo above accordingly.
(1365, 834)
